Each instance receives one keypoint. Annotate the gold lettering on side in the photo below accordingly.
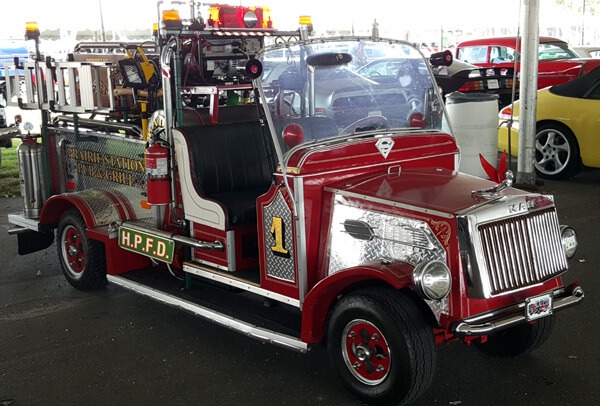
(112, 168)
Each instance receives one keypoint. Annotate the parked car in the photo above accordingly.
(558, 63)
(587, 51)
(458, 76)
(567, 127)
(9, 50)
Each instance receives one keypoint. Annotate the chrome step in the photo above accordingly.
(248, 329)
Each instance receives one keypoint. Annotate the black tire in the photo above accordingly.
(519, 340)
(82, 259)
(556, 152)
(382, 347)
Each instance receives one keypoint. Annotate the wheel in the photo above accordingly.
(82, 259)
(381, 346)
(519, 340)
(556, 152)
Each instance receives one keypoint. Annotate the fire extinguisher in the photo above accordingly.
(157, 172)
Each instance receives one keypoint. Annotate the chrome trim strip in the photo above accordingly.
(230, 241)
(465, 328)
(301, 240)
(389, 203)
(248, 329)
(241, 285)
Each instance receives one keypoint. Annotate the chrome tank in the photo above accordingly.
(31, 175)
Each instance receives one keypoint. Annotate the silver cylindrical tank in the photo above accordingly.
(31, 175)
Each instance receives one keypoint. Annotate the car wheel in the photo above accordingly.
(381, 346)
(82, 259)
(519, 340)
(556, 152)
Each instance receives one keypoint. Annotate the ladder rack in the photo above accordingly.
(69, 87)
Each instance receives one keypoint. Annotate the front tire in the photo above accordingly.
(381, 346)
(519, 340)
(556, 152)
(82, 259)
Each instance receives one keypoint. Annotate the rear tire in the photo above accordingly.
(382, 347)
(556, 152)
(82, 259)
(519, 340)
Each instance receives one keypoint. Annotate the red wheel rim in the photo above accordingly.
(366, 352)
(73, 251)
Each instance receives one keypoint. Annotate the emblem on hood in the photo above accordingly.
(384, 145)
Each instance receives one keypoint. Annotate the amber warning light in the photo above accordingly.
(31, 30)
(171, 19)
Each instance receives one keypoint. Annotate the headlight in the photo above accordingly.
(250, 19)
(432, 280)
(569, 241)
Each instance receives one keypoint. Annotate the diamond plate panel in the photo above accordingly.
(106, 162)
(278, 265)
(396, 238)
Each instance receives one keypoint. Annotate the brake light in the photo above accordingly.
(221, 16)
(506, 113)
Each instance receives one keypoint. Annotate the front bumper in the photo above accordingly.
(495, 321)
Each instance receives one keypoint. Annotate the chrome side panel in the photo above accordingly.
(395, 238)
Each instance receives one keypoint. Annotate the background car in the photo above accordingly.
(587, 51)
(567, 127)
(459, 76)
(557, 62)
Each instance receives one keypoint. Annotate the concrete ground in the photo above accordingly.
(59, 346)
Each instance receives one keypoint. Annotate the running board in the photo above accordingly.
(248, 329)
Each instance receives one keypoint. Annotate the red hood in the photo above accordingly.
(432, 189)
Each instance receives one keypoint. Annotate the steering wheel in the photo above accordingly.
(415, 103)
(375, 121)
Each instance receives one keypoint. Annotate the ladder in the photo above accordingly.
(69, 87)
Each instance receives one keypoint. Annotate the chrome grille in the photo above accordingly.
(522, 251)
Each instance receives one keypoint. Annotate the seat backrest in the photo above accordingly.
(229, 157)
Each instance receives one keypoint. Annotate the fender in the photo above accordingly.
(98, 207)
(319, 300)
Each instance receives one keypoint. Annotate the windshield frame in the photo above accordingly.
(298, 51)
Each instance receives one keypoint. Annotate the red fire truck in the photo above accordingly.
(251, 175)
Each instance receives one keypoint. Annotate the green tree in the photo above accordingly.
(591, 6)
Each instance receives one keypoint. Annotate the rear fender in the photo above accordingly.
(322, 297)
(97, 207)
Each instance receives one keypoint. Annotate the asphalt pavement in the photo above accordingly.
(60, 346)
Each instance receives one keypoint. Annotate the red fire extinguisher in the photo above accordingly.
(157, 173)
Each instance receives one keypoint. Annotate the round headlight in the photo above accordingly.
(250, 19)
(432, 280)
(569, 241)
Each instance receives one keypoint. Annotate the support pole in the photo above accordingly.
(528, 92)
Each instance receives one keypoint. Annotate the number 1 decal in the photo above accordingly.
(277, 230)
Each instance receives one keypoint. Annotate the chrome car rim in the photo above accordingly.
(366, 352)
(553, 152)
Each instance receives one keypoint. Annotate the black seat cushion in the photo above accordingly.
(232, 164)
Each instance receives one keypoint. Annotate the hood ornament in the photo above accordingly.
(494, 191)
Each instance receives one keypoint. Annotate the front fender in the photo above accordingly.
(323, 295)
(97, 207)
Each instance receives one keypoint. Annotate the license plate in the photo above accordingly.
(493, 84)
(538, 307)
(147, 244)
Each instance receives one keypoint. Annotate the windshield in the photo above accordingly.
(332, 88)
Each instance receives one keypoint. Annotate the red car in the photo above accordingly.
(557, 62)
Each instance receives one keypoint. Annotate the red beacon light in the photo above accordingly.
(222, 16)
(293, 135)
